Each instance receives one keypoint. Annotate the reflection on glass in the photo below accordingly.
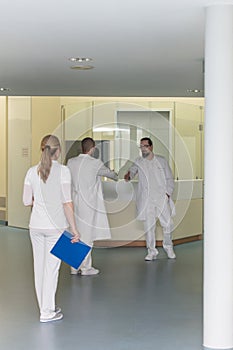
(132, 126)
(176, 134)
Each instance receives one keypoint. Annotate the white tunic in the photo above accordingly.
(155, 181)
(48, 198)
(90, 212)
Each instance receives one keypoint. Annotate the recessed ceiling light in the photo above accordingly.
(196, 91)
(2, 89)
(82, 67)
(80, 59)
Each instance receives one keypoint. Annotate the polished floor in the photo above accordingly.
(131, 305)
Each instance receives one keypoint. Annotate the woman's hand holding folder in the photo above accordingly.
(69, 212)
(76, 236)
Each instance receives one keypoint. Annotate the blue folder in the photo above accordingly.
(71, 253)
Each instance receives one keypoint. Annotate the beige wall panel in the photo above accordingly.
(202, 142)
(104, 113)
(188, 119)
(192, 222)
(46, 119)
(19, 138)
(124, 226)
(198, 101)
(74, 100)
(3, 149)
(161, 105)
(78, 120)
(74, 108)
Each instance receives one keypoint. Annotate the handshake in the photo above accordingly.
(114, 176)
(127, 176)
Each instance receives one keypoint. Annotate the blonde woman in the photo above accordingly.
(47, 188)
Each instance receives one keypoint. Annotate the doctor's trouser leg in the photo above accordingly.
(167, 225)
(87, 262)
(149, 228)
(46, 270)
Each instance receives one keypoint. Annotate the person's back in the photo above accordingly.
(84, 173)
(47, 211)
(90, 212)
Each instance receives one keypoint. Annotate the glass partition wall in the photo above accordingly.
(176, 132)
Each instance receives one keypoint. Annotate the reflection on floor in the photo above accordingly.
(131, 305)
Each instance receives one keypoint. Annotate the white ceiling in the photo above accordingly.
(139, 48)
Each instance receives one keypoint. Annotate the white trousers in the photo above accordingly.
(166, 222)
(46, 270)
(87, 262)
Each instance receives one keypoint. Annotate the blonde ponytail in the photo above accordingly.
(49, 145)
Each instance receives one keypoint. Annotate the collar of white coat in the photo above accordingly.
(85, 155)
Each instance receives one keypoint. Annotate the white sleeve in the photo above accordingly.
(169, 179)
(105, 171)
(27, 190)
(66, 185)
(65, 175)
(133, 169)
(66, 193)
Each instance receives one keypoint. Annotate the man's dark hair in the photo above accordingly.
(148, 140)
(87, 144)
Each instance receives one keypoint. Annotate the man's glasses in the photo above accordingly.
(144, 146)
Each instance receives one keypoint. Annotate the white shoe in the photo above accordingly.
(57, 309)
(56, 317)
(152, 255)
(89, 272)
(170, 252)
(73, 271)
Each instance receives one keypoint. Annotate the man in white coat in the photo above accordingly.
(89, 207)
(153, 199)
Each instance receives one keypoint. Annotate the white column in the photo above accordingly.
(218, 214)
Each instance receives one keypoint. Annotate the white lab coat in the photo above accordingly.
(90, 212)
(155, 181)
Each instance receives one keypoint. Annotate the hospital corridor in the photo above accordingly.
(130, 305)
